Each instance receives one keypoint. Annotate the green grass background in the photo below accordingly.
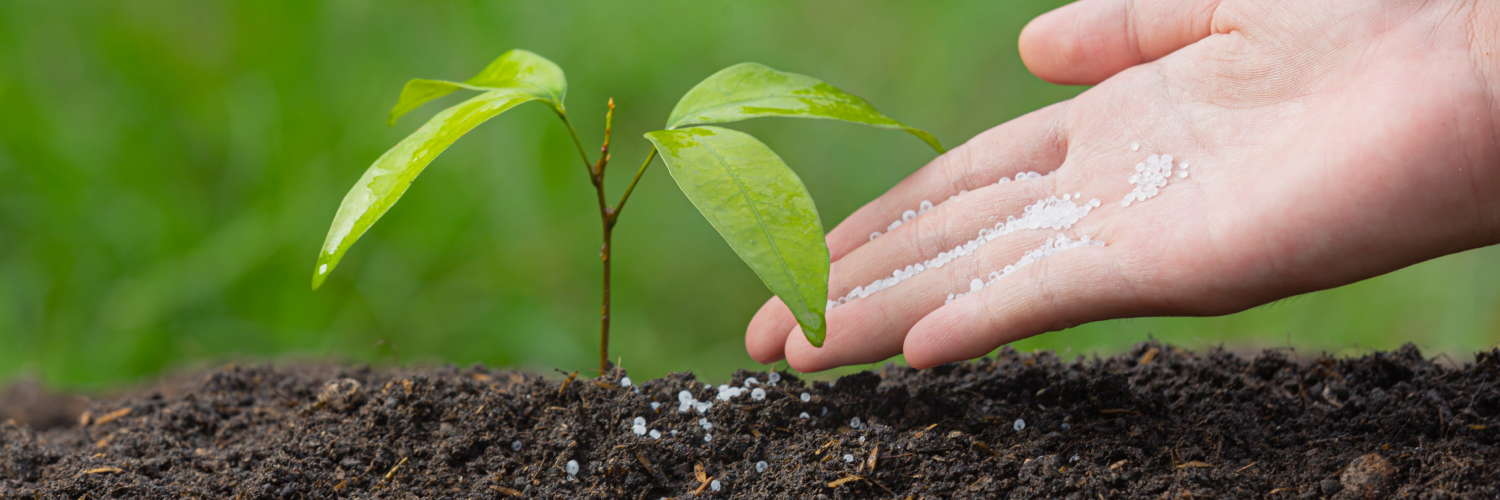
(168, 169)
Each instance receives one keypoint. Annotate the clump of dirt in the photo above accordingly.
(1158, 422)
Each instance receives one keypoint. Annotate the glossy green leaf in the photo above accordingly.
(385, 181)
(515, 68)
(761, 208)
(751, 90)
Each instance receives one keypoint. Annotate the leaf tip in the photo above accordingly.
(320, 274)
(815, 337)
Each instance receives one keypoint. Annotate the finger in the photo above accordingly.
(765, 338)
(875, 327)
(1085, 42)
(1063, 290)
(1034, 142)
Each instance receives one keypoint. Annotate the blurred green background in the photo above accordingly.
(168, 169)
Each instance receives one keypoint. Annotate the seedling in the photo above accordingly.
(744, 189)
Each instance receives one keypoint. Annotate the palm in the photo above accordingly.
(1329, 142)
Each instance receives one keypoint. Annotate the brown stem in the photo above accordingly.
(607, 220)
(604, 364)
(608, 217)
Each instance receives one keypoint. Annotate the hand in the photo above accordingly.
(1329, 141)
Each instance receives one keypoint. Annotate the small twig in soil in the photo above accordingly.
(702, 477)
(877, 483)
(850, 479)
(1196, 465)
(645, 463)
(702, 487)
(102, 470)
(1118, 411)
(565, 383)
(391, 474)
(1146, 358)
(1242, 469)
(111, 416)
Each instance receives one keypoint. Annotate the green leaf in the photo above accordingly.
(751, 90)
(515, 68)
(761, 208)
(385, 181)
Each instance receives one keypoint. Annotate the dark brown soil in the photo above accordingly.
(1156, 423)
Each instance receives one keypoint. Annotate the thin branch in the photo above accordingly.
(609, 122)
(587, 163)
(623, 198)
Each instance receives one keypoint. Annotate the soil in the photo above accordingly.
(1159, 422)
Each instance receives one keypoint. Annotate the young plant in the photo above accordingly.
(744, 189)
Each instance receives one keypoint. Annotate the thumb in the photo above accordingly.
(1085, 42)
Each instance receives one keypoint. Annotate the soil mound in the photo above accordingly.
(1158, 422)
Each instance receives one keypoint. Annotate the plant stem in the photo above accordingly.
(611, 217)
(587, 164)
(608, 216)
(607, 220)
(621, 205)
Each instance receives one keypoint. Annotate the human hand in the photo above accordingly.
(1329, 141)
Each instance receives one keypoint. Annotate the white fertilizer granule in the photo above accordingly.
(708, 438)
(773, 378)
(758, 394)
(1051, 213)
(1135, 146)
(1149, 178)
(655, 434)
(926, 205)
(714, 485)
(848, 457)
(1052, 246)
(855, 424)
(806, 397)
(572, 467)
(515, 445)
(761, 466)
(625, 382)
(803, 416)
(655, 406)
(749, 381)
(1019, 425)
